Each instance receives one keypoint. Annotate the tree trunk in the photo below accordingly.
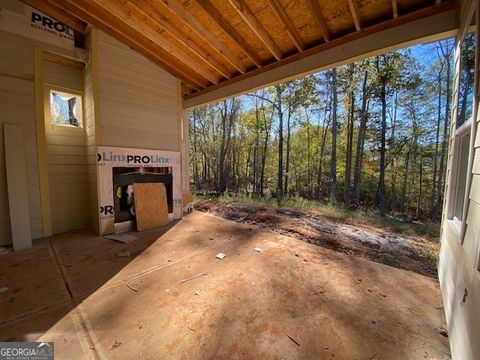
(357, 178)
(280, 145)
(348, 155)
(433, 195)
(287, 159)
(381, 182)
(333, 159)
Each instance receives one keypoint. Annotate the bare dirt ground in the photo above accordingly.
(412, 253)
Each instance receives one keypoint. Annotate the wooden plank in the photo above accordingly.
(132, 38)
(146, 8)
(179, 10)
(352, 5)
(151, 208)
(319, 19)
(285, 20)
(140, 21)
(17, 187)
(429, 24)
(394, 9)
(229, 30)
(58, 13)
(252, 21)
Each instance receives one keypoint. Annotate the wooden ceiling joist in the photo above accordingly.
(145, 7)
(179, 10)
(289, 26)
(228, 29)
(138, 20)
(319, 19)
(57, 12)
(252, 21)
(216, 47)
(394, 9)
(84, 10)
(352, 5)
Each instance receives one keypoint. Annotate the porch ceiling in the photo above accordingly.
(211, 44)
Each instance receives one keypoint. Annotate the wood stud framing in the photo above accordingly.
(210, 43)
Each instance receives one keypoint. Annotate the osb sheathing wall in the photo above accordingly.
(459, 255)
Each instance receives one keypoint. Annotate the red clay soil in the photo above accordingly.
(167, 296)
(376, 244)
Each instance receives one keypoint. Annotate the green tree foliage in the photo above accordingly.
(368, 135)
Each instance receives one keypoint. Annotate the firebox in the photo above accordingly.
(125, 177)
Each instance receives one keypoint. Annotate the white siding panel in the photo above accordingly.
(139, 104)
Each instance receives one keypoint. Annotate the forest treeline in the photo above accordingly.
(370, 135)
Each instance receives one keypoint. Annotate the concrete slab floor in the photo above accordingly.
(98, 299)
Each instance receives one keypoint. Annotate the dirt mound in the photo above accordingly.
(376, 244)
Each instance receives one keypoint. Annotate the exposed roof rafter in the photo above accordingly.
(179, 10)
(285, 20)
(394, 9)
(251, 20)
(228, 29)
(137, 20)
(84, 9)
(147, 9)
(352, 4)
(319, 19)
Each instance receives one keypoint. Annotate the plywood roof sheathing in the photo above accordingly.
(256, 27)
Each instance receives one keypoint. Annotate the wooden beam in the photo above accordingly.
(394, 9)
(58, 13)
(83, 9)
(352, 4)
(179, 10)
(145, 7)
(430, 24)
(228, 29)
(287, 23)
(138, 20)
(251, 20)
(319, 19)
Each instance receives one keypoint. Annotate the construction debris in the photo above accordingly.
(130, 286)
(291, 338)
(193, 277)
(123, 253)
(220, 256)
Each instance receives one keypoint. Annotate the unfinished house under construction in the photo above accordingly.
(93, 103)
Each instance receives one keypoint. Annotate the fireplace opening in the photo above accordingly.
(123, 180)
